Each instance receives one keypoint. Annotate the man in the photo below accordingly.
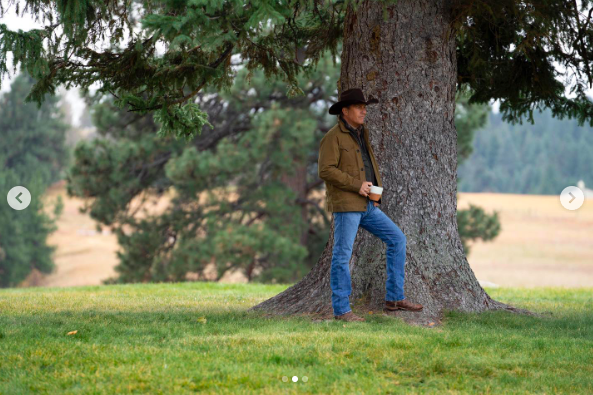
(348, 167)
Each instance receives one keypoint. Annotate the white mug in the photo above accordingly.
(375, 193)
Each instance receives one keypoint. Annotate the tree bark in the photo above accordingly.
(408, 62)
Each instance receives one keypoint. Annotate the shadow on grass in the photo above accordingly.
(95, 324)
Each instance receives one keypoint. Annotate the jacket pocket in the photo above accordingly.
(345, 158)
(347, 148)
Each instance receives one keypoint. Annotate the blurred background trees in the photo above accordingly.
(257, 166)
(33, 154)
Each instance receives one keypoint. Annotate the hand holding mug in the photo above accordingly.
(365, 188)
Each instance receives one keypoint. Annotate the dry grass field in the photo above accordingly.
(540, 244)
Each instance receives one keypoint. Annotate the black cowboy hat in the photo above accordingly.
(350, 96)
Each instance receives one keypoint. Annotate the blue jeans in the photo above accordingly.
(345, 228)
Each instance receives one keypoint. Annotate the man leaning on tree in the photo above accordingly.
(348, 167)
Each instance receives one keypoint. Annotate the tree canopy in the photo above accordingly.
(157, 55)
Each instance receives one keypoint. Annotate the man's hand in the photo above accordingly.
(365, 188)
(376, 204)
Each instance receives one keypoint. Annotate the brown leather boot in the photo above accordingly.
(349, 316)
(402, 305)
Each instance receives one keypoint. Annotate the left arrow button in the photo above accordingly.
(19, 198)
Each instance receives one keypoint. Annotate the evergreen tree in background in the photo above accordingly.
(541, 159)
(33, 139)
(33, 155)
(257, 168)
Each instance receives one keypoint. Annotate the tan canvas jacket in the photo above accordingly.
(340, 165)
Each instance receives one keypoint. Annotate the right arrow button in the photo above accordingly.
(572, 198)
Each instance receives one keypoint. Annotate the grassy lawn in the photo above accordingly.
(198, 337)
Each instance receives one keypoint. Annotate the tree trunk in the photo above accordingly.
(409, 63)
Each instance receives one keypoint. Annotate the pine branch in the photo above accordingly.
(215, 64)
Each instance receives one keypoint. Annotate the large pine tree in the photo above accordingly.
(412, 55)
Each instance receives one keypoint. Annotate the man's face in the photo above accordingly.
(355, 113)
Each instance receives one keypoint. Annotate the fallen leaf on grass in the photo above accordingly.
(201, 319)
(71, 333)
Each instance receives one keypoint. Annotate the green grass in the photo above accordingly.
(149, 338)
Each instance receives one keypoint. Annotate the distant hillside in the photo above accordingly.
(540, 159)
